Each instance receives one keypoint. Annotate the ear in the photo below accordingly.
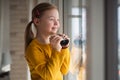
(36, 21)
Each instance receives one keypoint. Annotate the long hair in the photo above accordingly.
(37, 12)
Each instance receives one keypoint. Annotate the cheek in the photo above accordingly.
(46, 24)
(49, 24)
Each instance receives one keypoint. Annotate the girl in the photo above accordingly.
(46, 58)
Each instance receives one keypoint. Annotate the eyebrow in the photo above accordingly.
(52, 16)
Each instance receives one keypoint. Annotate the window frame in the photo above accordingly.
(111, 40)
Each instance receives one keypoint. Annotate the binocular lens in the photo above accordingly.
(64, 42)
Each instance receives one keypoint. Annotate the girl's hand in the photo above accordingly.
(55, 42)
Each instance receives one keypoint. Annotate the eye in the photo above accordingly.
(51, 18)
(58, 19)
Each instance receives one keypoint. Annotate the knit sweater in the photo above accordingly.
(46, 63)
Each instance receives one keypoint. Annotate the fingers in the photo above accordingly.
(55, 39)
(64, 36)
(55, 42)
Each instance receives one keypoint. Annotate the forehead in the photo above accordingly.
(52, 12)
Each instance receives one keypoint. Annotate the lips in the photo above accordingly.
(54, 28)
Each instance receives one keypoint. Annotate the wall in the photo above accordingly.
(95, 40)
(18, 22)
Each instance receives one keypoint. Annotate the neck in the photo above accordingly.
(43, 39)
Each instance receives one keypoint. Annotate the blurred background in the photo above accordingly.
(93, 28)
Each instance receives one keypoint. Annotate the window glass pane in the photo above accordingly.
(75, 11)
(75, 25)
(75, 22)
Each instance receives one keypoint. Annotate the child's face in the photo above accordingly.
(49, 22)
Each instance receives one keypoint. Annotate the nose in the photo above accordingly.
(56, 22)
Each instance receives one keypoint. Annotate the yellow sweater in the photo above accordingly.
(46, 63)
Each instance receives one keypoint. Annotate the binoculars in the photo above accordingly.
(63, 42)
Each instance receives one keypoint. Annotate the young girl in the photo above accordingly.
(46, 58)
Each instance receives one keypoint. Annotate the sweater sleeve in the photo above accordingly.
(46, 67)
(65, 65)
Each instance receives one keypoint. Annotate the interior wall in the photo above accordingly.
(95, 40)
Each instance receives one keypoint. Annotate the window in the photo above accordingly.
(5, 58)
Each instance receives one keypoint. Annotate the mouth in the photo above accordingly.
(54, 28)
